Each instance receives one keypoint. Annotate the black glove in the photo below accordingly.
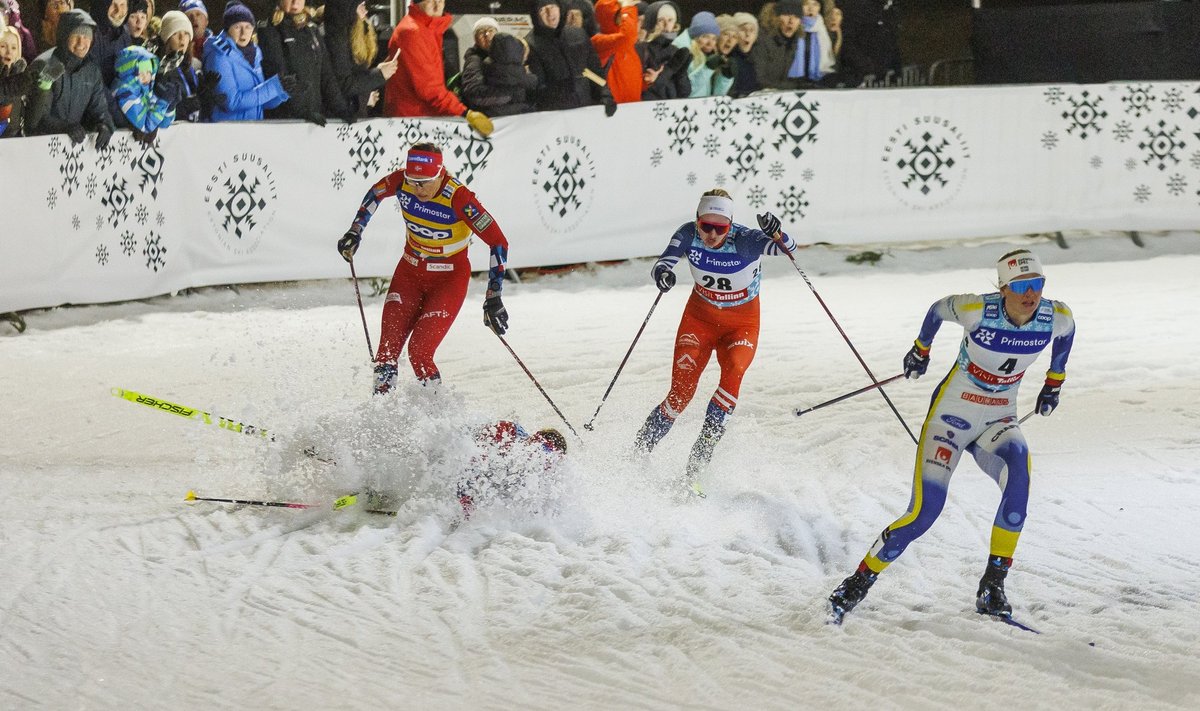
(916, 361)
(209, 95)
(318, 119)
(769, 223)
(50, 72)
(289, 82)
(103, 136)
(495, 316)
(716, 60)
(679, 60)
(76, 133)
(348, 244)
(1048, 397)
(146, 138)
(664, 278)
(187, 106)
(169, 89)
(606, 98)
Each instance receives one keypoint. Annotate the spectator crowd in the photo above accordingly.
(119, 64)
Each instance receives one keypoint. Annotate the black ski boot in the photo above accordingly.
(851, 592)
(990, 600)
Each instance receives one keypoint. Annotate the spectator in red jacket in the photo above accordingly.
(618, 22)
(418, 88)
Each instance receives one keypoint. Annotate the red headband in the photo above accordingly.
(423, 165)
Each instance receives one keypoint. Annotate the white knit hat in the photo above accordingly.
(485, 23)
(1018, 265)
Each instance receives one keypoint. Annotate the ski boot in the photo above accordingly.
(991, 600)
(657, 425)
(385, 378)
(711, 432)
(851, 592)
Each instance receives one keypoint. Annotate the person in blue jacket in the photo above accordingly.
(243, 93)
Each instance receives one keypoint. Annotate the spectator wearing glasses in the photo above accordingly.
(974, 410)
(722, 315)
(430, 282)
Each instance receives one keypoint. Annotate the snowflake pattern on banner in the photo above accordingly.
(684, 130)
(1141, 193)
(1176, 185)
(71, 168)
(99, 222)
(758, 113)
(101, 255)
(141, 214)
(720, 180)
(797, 125)
(51, 198)
(1195, 160)
(471, 154)
(155, 252)
(160, 219)
(76, 223)
(1053, 95)
(656, 157)
(104, 158)
(117, 199)
(1049, 140)
(125, 148)
(54, 146)
(148, 169)
(723, 115)
(1131, 165)
(748, 153)
(128, 243)
(1096, 162)
(1172, 99)
(775, 170)
(1085, 114)
(1161, 145)
(410, 133)
(661, 111)
(1138, 100)
(691, 178)
(792, 204)
(808, 175)
(712, 146)
(366, 149)
(757, 197)
(1123, 131)
(565, 183)
(338, 181)
(242, 203)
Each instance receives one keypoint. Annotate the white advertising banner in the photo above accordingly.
(252, 202)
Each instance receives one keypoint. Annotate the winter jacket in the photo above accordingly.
(14, 85)
(245, 91)
(557, 57)
(617, 42)
(706, 80)
(134, 104)
(745, 79)
(77, 98)
(106, 41)
(355, 81)
(773, 55)
(504, 73)
(177, 68)
(299, 51)
(657, 52)
(473, 89)
(418, 88)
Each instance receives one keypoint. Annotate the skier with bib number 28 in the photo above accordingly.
(722, 315)
(430, 281)
(974, 410)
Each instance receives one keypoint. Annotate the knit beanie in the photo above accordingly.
(236, 12)
(138, 6)
(703, 23)
(745, 18)
(172, 22)
(485, 22)
(783, 7)
(186, 5)
(727, 23)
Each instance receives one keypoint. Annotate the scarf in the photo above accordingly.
(806, 64)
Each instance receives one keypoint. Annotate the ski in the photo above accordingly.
(1007, 619)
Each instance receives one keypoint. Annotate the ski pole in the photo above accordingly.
(853, 350)
(624, 360)
(538, 385)
(207, 418)
(848, 395)
(361, 312)
(339, 503)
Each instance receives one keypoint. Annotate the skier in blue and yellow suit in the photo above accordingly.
(974, 409)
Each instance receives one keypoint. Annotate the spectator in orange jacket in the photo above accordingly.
(618, 21)
(418, 88)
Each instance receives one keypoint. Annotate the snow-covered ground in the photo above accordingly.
(608, 590)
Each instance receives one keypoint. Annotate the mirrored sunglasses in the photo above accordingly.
(1020, 287)
(714, 227)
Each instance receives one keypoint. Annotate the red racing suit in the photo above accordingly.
(430, 281)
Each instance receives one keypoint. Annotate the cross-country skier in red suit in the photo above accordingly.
(430, 281)
(721, 316)
(508, 457)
